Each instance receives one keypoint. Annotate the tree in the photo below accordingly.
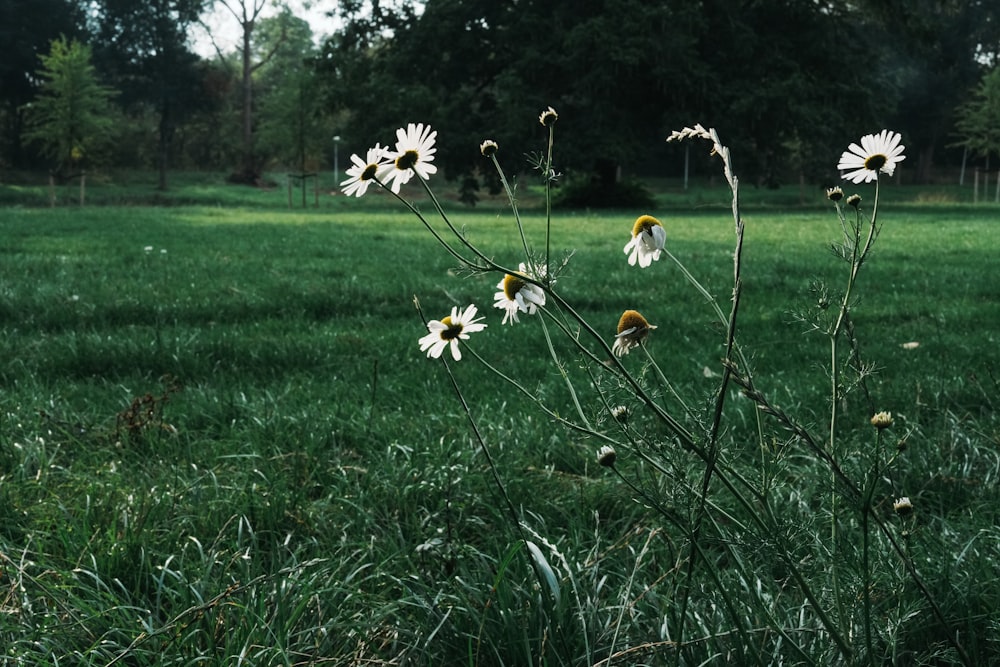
(471, 67)
(771, 74)
(71, 117)
(210, 136)
(785, 86)
(292, 128)
(27, 28)
(143, 44)
(247, 13)
(978, 124)
(936, 53)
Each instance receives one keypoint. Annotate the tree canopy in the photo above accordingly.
(774, 74)
(786, 81)
(27, 28)
(978, 123)
(70, 118)
(143, 47)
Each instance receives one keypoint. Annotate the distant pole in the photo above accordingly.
(336, 158)
(687, 162)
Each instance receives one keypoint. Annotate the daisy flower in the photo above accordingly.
(517, 295)
(903, 507)
(877, 153)
(648, 237)
(632, 331)
(364, 172)
(548, 117)
(607, 456)
(449, 330)
(414, 153)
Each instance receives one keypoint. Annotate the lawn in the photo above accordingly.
(219, 440)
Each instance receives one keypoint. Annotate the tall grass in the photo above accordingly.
(220, 444)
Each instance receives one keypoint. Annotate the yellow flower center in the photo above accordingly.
(630, 319)
(875, 162)
(407, 160)
(369, 172)
(452, 331)
(644, 223)
(512, 285)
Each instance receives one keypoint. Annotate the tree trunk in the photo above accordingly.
(249, 168)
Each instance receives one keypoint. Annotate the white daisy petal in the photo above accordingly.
(648, 239)
(447, 332)
(365, 172)
(878, 153)
(516, 295)
(413, 155)
(632, 331)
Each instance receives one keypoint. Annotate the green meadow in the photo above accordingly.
(220, 443)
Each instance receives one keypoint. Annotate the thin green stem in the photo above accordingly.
(585, 430)
(697, 552)
(687, 440)
(548, 204)
(916, 579)
(494, 470)
(415, 211)
(513, 206)
(866, 578)
(667, 384)
(858, 255)
(564, 374)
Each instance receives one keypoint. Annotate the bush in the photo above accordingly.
(592, 192)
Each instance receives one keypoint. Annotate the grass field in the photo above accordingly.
(220, 443)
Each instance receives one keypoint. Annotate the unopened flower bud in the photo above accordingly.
(548, 117)
(882, 420)
(606, 456)
(488, 148)
(903, 507)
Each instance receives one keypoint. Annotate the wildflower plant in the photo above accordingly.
(748, 576)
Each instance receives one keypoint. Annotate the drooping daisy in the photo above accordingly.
(449, 330)
(414, 154)
(877, 153)
(548, 117)
(488, 148)
(903, 507)
(620, 413)
(364, 172)
(517, 295)
(632, 331)
(607, 456)
(648, 238)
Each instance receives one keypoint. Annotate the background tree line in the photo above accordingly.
(786, 81)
